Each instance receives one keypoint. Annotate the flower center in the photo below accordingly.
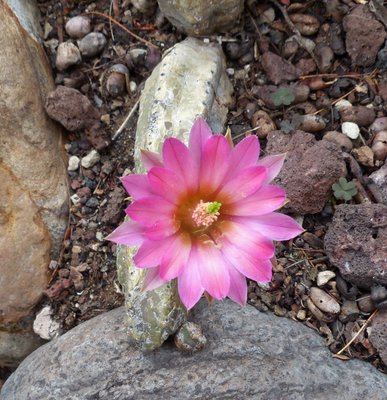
(205, 214)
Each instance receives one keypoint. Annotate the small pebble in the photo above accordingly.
(337, 137)
(132, 86)
(342, 105)
(92, 44)
(350, 129)
(67, 55)
(190, 338)
(324, 301)
(77, 27)
(92, 202)
(45, 326)
(312, 123)
(75, 199)
(73, 163)
(364, 155)
(301, 315)
(366, 305)
(91, 159)
(349, 311)
(324, 277)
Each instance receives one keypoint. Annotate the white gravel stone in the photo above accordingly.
(67, 55)
(342, 105)
(73, 163)
(91, 159)
(324, 277)
(75, 199)
(92, 44)
(45, 326)
(350, 129)
(132, 86)
(79, 26)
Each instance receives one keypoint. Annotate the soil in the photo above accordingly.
(84, 282)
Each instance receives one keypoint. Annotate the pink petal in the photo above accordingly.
(137, 185)
(245, 154)
(151, 252)
(258, 270)
(176, 258)
(273, 164)
(189, 283)
(166, 183)
(214, 163)
(152, 279)
(176, 157)
(149, 210)
(213, 269)
(238, 286)
(264, 201)
(129, 233)
(244, 239)
(162, 229)
(150, 159)
(247, 182)
(275, 226)
(199, 134)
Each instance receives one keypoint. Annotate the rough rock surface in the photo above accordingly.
(201, 17)
(74, 111)
(364, 36)
(278, 69)
(356, 243)
(249, 355)
(379, 179)
(378, 336)
(190, 81)
(310, 169)
(34, 194)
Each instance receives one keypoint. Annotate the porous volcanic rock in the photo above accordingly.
(202, 17)
(310, 169)
(249, 355)
(356, 243)
(364, 36)
(378, 336)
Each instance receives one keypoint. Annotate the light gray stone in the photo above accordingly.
(202, 17)
(249, 355)
(190, 81)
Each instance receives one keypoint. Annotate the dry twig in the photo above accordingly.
(122, 127)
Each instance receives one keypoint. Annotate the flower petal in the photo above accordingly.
(247, 182)
(189, 283)
(263, 201)
(243, 238)
(129, 233)
(151, 252)
(199, 134)
(245, 154)
(275, 226)
(238, 286)
(176, 258)
(273, 164)
(214, 162)
(149, 210)
(137, 185)
(151, 159)
(166, 183)
(162, 229)
(152, 279)
(259, 270)
(213, 269)
(176, 157)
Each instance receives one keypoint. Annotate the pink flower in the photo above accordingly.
(204, 214)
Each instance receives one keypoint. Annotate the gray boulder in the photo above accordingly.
(249, 355)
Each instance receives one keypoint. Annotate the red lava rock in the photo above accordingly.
(356, 243)
(56, 289)
(311, 167)
(114, 207)
(365, 36)
(378, 336)
(71, 109)
(75, 112)
(360, 115)
(278, 69)
(306, 66)
(265, 93)
(379, 179)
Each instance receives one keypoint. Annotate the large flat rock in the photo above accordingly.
(249, 355)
